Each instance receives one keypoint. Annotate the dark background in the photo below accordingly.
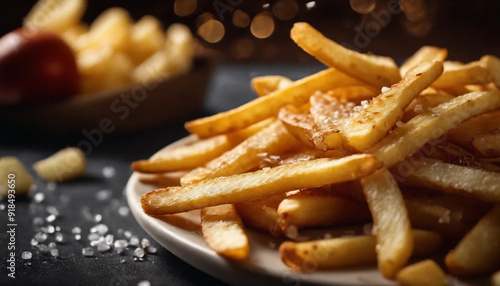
(468, 29)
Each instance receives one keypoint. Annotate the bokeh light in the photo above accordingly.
(241, 19)
(418, 29)
(203, 18)
(262, 25)
(184, 8)
(211, 31)
(363, 6)
(285, 9)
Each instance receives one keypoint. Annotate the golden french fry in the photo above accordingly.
(354, 92)
(13, 177)
(423, 273)
(390, 217)
(111, 27)
(302, 125)
(55, 15)
(264, 85)
(146, 38)
(424, 54)
(94, 61)
(375, 70)
(319, 209)
(196, 154)
(72, 34)
(432, 124)
(488, 145)
(118, 72)
(297, 93)
(224, 232)
(495, 279)
(174, 58)
(245, 156)
(163, 180)
(68, 163)
(479, 251)
(472, 73)
(259, 184)
(373, 122)
(466, 131)
(451, 216)
(492, 65)
(436, 174)
(424, 102)
(347, 251)
(259, 215)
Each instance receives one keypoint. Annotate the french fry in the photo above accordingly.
(297, 93)
(66, 164)
(245, 156)
(476, 183)
(13, 177)
(302, 125)
(373, 122)
(479, 251)
(55, 15)
(423, 273)
(390, 217)
(179, 48)
(163, 180)
(259, 215)
(354, 92)
(347, 251)
(495, 279)
(466, 131)
(111, 27)
(472, 73)
(488, 145)
(259, 184)
(424, 102)
(319, 209)
(492, 65)
(196, 154)
(424, 54)
(71, 35)
(224, 232)
(146, 37)
(375, 70)
(432, 124)
(117, 73)
(264, 85)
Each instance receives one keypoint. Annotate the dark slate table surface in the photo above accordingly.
(77, 204)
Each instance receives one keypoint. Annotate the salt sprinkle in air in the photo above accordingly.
(76, 230)
(2, 207)
(310, 5)
(97, 218)
(34, 242)
(59, 237)
(54, 252)
(151, 249)
(78, 237)
(108, 172)
(52, 210)
(50, 218)
(26, 255)
(127, 234)
(101, 229)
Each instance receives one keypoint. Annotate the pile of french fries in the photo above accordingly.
(114, 51)
(413, 149)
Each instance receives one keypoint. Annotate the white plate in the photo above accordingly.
(180, 235)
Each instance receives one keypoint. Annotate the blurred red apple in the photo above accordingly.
(36, 66)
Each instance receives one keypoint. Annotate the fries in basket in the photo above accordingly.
(414, 150)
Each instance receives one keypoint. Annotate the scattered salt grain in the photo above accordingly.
(121, 243)
(385, 88)
(103, 195)
(127, 234)
(76, 230)
(123, 211)
(139, 252)
(2, 207)
(44, 249)
(34, 242)
(310, 5)
(41, 237)
(52, 210)
(146, 282)
(122, 260)
(54, 252)
(38, 197)
(94, 236)
(88, 251)
(51, 186)
(59, 237)
(151, 249)
(38, 221)
(52, 245)
(26, 255)
(58, 228)
(145, 243)
(100, 229)
(78, 237)
(97, 218)
(108, 172)
(102, 246)
(50, 218)
(109, 239)
(134, 241)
